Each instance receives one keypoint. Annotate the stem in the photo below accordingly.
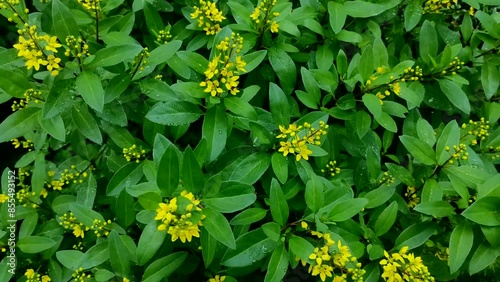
(96, 23)
(137, 68)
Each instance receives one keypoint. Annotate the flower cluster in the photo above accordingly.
(438, 6)
(29, 95)
(69, 221)
(411, 195)
(163, 36)
(3, 198)
(331, 167)
(208, 16)
(11, 3)
(404, 266)
(181, 217)
(386, 179)
(411, 74)
(453, 67)
(76, 47)
(217, 278)
(393, 86)
(476, 130)
(140, 60)
(134, 154)
(28, 144)
(33, 276)
(92, 6)
(459, 153)
(33, 47)
(330, 258)
(264, 18)
(224, 69)
(100, 227)
(30, 198)
(298, 137)
(67, 176)
(80, 276)
(494, 152)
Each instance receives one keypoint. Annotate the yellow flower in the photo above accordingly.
(34, 60)
(52, 44)
(3, 198)
(30, 273)
(322, 270)
(78, 231)
(274, 27)
(303, 224)
(46, 278)
(217, 278)
(53, 64)
(184, 231)
(320, 255)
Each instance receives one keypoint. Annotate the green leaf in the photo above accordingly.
(174, 113)
(415, 235)
(280, 166)
(365, 66)
(85, 215)
(401, 174)
(169, 172)
(250, 247)
(86, 191)
(386, 219)
(362, 9)
(215, 131)
(278, 103)
(346, 209)
(278, 264)
(314, 194)
(249, 216)
(163, 267)
(149, 243)
(150, 200)
(70, 258)
(490, 79)
(372, 103)
(125, 213)
(337, 16)
(192, 176)
(216, 224)
(435, 208)
(63, 21)
(425, 132)
(483, 257)
(428, 43)
(240, 107)
(53, 126)
(450, 136)
(28, 225)
(279, 206)
(208, 247)
(127, 175)
(284, 67)
(461, 241)
(387, 122)
(193, 60)
(96, 255)
(349, 36)
(86, 124)
(491, 187)
(251, 168)
(35, 244)
(300, 247)
(455, 95)
(469, 175)
(117, 254)
(419, 149)
(113, 55)
(484, 211)
(233, 196)
(379, 196)
(13, 83)
(18, 123)
(311, 85)
(412, 14)
(90, 87)
(253, 59)
(324, 55)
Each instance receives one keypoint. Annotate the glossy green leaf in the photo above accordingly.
(280, 166)
(418, 149)
(386, 219)
(284, 67)
(461, 241)
(149, 243)
(278, 264)
(169, 172)
(34, 244)
(278, 103)
(279, 206)
(250, 247)
(117, 250)
(96, 255)
(435, 208)
(163, 267)
(18, 123)
(218, 227)
(484, 211)
(113, 55)
(346, 209)
(89, 86)
(455, 95)
(415, 235)
(86, 124)
(215, 131)
(128, 175)
(174, 113)
(249, 216)
(63, 21)
(337, 16)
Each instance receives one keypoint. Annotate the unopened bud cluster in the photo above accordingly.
(331, 168)
(386, 179)
(80, 276)
(477, 130)
(76, 47)
(28, 144)
(412, 197)
(67, 176)
(29, 95)
(134, 154)
(163, 36)
(459, 153)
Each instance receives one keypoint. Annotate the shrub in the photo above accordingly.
(248, 140)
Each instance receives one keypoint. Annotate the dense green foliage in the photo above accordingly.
(247, 140)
